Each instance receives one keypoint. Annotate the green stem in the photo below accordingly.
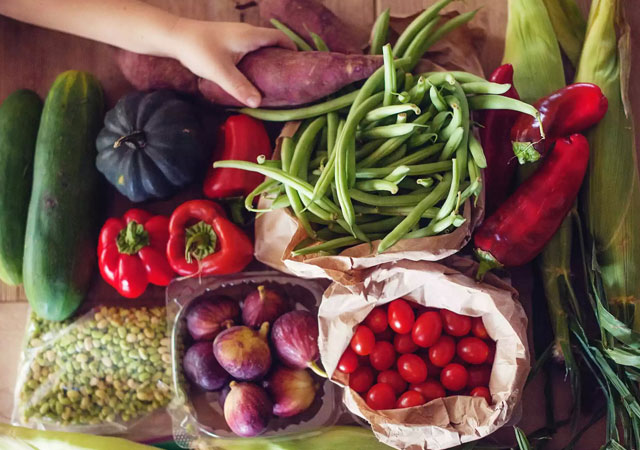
(132, 238)
(200, 242)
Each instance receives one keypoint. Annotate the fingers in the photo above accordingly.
(237, 85)
(270, 37)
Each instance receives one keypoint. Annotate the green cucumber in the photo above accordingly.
(60, 251)
(19, 119)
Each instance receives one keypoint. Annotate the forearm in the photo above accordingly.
(128, 24)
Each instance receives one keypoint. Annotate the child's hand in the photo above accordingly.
(211, 50)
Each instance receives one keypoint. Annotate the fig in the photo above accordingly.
(202, 368)
(243, 351)
(262, 305)
(222, 395)
(247, 409)
(208, 316)
(295, 339)
(292, 391)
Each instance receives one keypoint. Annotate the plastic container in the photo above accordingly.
(196, 413)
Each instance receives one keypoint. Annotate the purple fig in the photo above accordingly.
(292, 391)
(262, 305)
(295, 339)
(208, 316)
(202, 368)
(243, 351)
(222, 395)
(247, 409)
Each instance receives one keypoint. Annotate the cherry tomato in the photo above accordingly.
(454, 377)
(386, 335)
(427, 329)
(401, 316)
(478, 329)
(394, 379)
(409, 399)
(473, 350)
(377, 320)
(442, 352)
(348, 362)
(455, 324)
(432, 369)
(430, 389)
(412, 368)
(492, 352)
(381, 396)
(382, 356)
(478, 376)
(363, 340)
(482, 391)
(361, 379)
(404, 344)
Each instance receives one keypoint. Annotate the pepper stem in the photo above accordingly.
(317, 370)
(487, 263)
(132, 238)
(135, 139)
(201, 241)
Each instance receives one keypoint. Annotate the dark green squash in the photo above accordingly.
(150, 145)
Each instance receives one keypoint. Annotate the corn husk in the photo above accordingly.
(612, 190)
(569, 26)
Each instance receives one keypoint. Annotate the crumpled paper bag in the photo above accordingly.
(446, 422)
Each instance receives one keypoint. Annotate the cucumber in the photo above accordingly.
(19, 119)
(60, 251)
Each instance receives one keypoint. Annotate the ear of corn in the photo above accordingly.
(612, 188)
(569, 25)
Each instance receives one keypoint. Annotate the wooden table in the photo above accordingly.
(32, 57)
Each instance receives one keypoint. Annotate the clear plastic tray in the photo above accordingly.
(195, 412)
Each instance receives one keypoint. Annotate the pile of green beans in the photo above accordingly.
(393, 159)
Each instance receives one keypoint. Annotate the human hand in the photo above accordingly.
(211, 50)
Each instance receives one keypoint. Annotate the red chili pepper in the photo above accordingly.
(241, 138)
(521, 227)
(202, 240)
(569, 110)
(132, 252)
(496, 142)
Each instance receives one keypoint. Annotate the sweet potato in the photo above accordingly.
(284, 77)
(303, 16)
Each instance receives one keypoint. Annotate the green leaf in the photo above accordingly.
(521, 438)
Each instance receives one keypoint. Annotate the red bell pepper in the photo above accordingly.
(203, 241)
(241, 138)
(132, 252)
(496, 142)
(520, 228)
(572, 109)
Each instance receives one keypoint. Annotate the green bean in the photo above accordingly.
(420, 139)
(333, 120)
(333, 244)
(452, 144)
(319, 160)
(418, 91)
(395, 156)
(474, 188)
(390, 85)
(319, 43)
(300, 43)
(477, 153)
(474, 170)
(282, 201)
(441, 79)
(447, 27)
(450, 201)
(408, 183)
(378, 200)
(351, 164)
(380, 32)
(462, 152)
(319, 220)
(397, 175)
(374, 82)
(430, 213)
(262, 187)
(485, 87)
(288, 155)
(413, 218)
(437, 100)
(417, 169)
(378, 226)
(401, 118)
(456, 118)
(389, 131)
(403, 97)
(377, 185)
(286, 115)
(460, 77)
(438, 121)
(368, 148)
(437, 226)
(425, 182)
(502, 102)
(418, 47)
(386, 111)
(304, 146)
(409, 81)
(323, 234)
(418, 24)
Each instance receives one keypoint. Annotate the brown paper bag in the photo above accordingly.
(446, 422)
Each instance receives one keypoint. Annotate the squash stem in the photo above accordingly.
(136, 138)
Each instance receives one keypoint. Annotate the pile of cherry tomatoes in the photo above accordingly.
(405, 355)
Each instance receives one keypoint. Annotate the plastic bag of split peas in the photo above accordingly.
(428, 356)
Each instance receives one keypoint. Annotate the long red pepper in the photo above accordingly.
(572, 109)
(521, 227)
(240, 138)
(495, 134)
